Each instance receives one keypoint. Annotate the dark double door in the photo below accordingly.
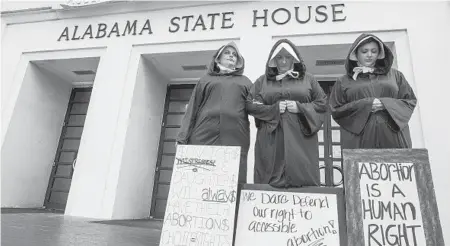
(176, 102)
(67, 150)
(177, 99)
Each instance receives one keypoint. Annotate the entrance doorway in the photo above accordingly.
(66, 153)
(175, 106)
(179, 72)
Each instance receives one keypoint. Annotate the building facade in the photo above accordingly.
(93, 94)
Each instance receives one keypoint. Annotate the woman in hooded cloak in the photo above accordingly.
(373, 102)
(289, 108)
(216, 112)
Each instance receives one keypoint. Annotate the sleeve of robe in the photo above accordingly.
(261, 112)
(401, 108)
(352, 116)
(312, 114)
(188, 121)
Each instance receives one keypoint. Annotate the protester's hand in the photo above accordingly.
(292, 107)
(377, 105)
(283, 106)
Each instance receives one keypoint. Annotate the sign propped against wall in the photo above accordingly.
(390, 198)
(300, 216)
(202, 197)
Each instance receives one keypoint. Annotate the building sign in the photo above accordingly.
(300, 15)
(306, 216)
(102, 30)
(202, 22)
(202, 197)
(390, 198)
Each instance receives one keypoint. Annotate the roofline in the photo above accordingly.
(58, 12)
(19, 11)
(61, 6)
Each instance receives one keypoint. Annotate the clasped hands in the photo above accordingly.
(377, 105)
(290, 106)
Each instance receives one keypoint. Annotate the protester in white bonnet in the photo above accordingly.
(365, 53)
(283, 58)
(372, 102)
(289, 106)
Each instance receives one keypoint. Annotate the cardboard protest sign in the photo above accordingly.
(299, 216)
(202, 197)
(390, 198)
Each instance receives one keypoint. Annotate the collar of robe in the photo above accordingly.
(224, 70)
(290, 72)
(361, 69)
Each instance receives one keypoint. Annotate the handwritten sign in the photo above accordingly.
(390, 204)
(390, 198)
(202, 197)
(292, 218)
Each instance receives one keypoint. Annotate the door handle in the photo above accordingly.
(73, 163)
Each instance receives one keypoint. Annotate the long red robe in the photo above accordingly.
(351, 104)
(216, 113)
(286, 148)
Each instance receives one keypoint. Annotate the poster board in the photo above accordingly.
(299, 216)
(390, 198)
(202, 197)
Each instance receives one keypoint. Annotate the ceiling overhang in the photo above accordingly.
(87, 3)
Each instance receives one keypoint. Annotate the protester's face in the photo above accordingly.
(368, 54)
(284, 61)
(228, 57)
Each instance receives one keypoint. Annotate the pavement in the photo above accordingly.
(37, 227)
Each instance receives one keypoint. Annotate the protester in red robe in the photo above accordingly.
(289, 108)
(216, 112)
(373, 102)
